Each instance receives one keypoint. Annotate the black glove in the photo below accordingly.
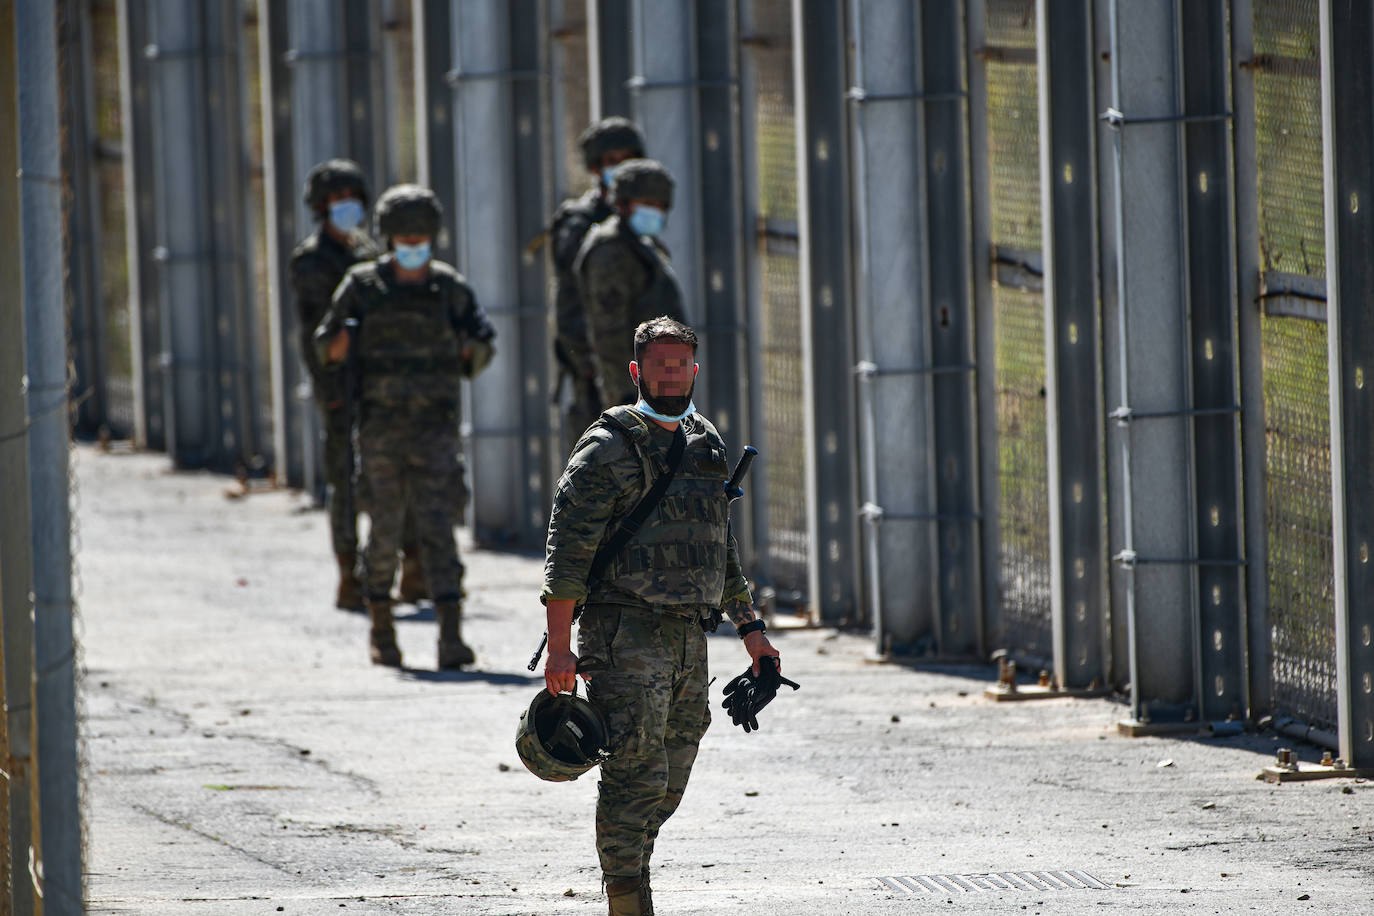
(746, 694)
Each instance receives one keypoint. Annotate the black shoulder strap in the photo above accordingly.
(630, 525)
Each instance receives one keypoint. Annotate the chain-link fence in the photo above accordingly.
(1014, 186)
(773, 113)
(1296, 400)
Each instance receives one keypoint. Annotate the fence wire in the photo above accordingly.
(1302, 608)
(784, 394)
(1023, 479)
(1298, 488)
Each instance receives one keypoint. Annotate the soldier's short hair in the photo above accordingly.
(659, 328)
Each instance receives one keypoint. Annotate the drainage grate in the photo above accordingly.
(1072, 880)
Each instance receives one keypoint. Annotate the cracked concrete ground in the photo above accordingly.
(243, 757)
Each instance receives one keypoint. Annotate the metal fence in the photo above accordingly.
(1296, 399)
(772, 113)
(1014, 188)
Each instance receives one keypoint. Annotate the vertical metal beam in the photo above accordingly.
(361, 83)
(16, 544)
(950, 316)
(140, 221)
(664, 99)
(892, 329)
(1245, 159)
(754, 541)
(280, 190)
(822, 179)
(1218, 631)
(985, 315)
(718, 187)
(83, 216)
(1146, 362)
(1073, 335)
(486, 212)
(1348, 143)
(434, 130)
(609, 58)
(45, 354)
(531, 189)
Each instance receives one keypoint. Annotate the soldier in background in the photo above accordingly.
(414, 330)
(336, 193)
(641, 641)
(605, 145)
(623, 273)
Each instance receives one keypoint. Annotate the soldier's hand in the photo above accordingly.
(757, 645)
(560, 672)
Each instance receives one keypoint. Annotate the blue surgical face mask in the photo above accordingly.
(412, 257)
(647, 220)
(642, 406)
(346, 214)
(607, 173)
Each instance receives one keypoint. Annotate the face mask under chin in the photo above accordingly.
(675, 405)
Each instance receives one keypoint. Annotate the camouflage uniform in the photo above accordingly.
(317, 265)
(624, 279)
(408, 349)
(572, 347)
(640, 632)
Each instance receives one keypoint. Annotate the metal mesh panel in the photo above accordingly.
(1289, 136)
(784, 395)
(1023, 479)
(5, 895)
(1302, 610)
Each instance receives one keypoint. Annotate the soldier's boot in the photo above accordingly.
(453, 652)
(413, 588)
(382, 642)
(350, 594)
(626, 896)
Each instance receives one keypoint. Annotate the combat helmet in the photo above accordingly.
(331, 176)
(407, 209)
(644, 178)
(607, 134)
(560, 737)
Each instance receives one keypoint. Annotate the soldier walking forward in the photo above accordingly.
(641, 641)
(623, 272)
(605, 145)
(416, 331)
(336, 193)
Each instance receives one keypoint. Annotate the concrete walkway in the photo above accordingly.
(243, 757)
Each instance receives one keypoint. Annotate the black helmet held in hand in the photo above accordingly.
(560, 737)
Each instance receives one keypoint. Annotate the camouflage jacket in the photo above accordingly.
(318, 264)
(624, 279)
(410, 338)
(683, 558)
(571, 222)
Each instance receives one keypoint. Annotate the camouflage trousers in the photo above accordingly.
(414, 464)
(345, 495)
(338, 475)
(649, 679)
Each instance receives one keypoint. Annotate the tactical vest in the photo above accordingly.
(677, 558)
(407, 346)
(662, 296)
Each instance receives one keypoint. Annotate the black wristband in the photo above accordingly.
(753, 626)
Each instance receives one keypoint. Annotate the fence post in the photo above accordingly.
(16, 544)
(1073, 341)
(1151, 514)
(609, 58)
(1258, 648)
(827, 344)
(1347, 74)
(140, 221)
(45, 352)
